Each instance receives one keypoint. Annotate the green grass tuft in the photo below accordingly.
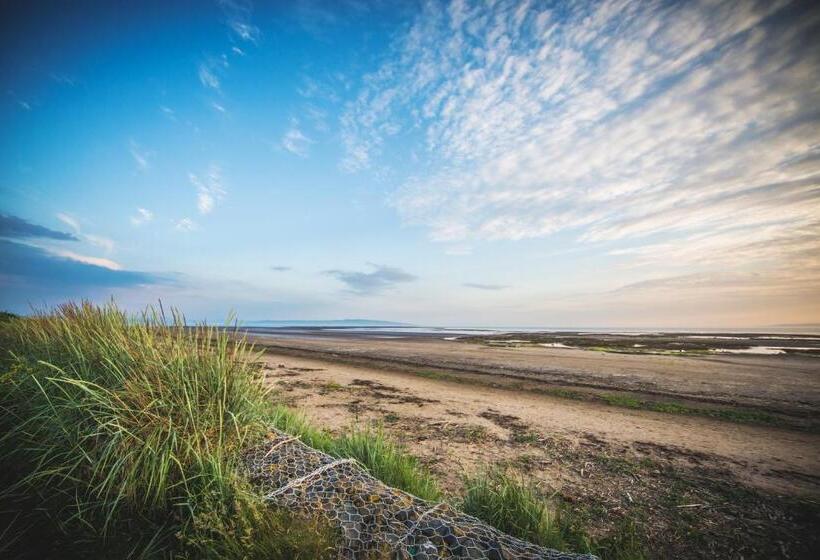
(385, 460)
(516, 507)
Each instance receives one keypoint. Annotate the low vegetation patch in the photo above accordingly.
(729, 414)
(384, 459)
(515, 506)
(726, 413)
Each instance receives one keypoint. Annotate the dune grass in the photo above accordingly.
(122, 435)
(126, 434)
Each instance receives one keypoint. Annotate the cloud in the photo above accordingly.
(670, 132)
(141, 156)
(381, 278)
(185, 224)
(209, 188)
(142, 216)
(38, 267)
(217, 107)
(281, 268)
(86, 259)
(168, 112)
(70, 221)
(104, 243)
(238, 16)
(317, 117)
(209, 72)
(245, 31)
(12, 226)
(491, 287)
(322, 90)
(63, 79)
(296, 142)
(97, 240)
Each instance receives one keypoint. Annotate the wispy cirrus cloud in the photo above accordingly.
(70, 221)
(63, 79)
(104, 243)
(379, 279)
(168, 112)
(238, 17)
(140, 155)
(185, 225)
(142, 216)
(210, 70)
(678, 133)
(209, 188)
(108, 245)
(295, 141)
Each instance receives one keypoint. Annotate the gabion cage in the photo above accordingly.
(373, 519)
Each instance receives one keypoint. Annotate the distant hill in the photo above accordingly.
(326, 323)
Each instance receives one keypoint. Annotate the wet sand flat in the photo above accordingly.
(790, 384)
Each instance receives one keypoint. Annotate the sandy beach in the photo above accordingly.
(789, 385)
(461, 407)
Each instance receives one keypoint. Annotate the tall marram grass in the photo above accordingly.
(127, 432)
(123, 434)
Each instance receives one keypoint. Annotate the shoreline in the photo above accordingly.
(737, 387)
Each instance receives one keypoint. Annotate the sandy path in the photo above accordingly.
(764, 457)
(789, 384)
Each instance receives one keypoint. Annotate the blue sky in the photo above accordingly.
(476, 163)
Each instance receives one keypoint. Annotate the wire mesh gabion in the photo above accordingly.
(372, 518)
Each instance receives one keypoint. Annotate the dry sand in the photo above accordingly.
(336, 394)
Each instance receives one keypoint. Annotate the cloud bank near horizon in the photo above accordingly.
(50, 270)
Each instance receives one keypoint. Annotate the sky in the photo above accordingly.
(558, 164)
